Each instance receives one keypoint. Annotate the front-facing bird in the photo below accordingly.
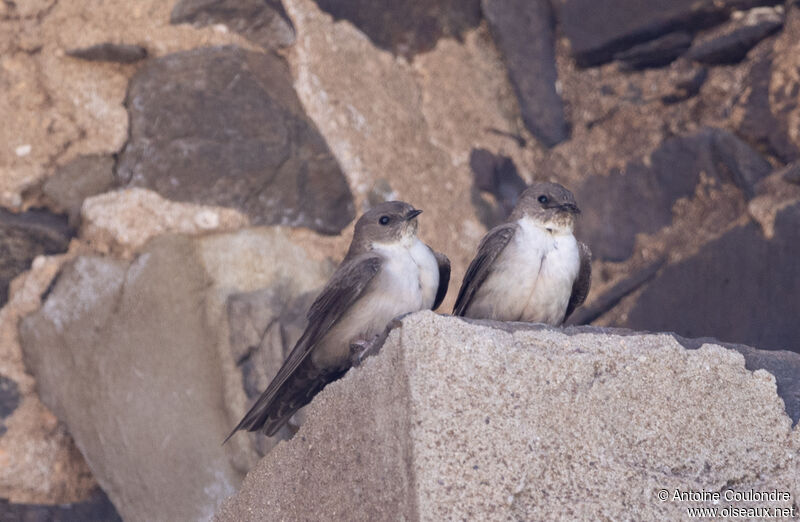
(387, 272)
(530, 268)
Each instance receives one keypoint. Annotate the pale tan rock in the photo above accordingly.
(124, 220)
(39, 462)
(458, 421)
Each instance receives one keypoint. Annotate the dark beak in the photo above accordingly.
(569, 207)
(411, 215)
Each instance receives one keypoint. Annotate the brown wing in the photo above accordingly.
(580, 287)
(298, 380)
(444, 278)
(491, 245)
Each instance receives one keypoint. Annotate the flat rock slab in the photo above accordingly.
(460, 421)
(27, 235)
(224, 126)
(406, 27)
(524, 32)
(598, 29)
(639, 200)
(741, 287)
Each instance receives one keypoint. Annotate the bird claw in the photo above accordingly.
(361, 349)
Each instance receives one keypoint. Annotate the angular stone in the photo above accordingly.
(489, 421)
(261, 21)
(689, 85)
(9, 400)
(731, 42)
(655, 53)
(766, 129)
(96, 508)
(598, 29)
(110, 52)
(524, 32)
(79, 179)
(27, 235)
(740, 288)
(224, 126)
(123, 355)
(406, 27)
(639, 200)
(498, 176)
(791, 173)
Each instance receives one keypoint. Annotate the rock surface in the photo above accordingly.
(109, 52)
(79, 179)
(223, 126)
(640, 199)
(461, 421)
(731, 42)
(406, 27)
(524, 32)
(731, 288)
(128, 394)
(93, 360)
(25, 236)
(262, 21)
(599, 29)
(96, 508)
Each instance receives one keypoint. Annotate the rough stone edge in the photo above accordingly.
(788, 389)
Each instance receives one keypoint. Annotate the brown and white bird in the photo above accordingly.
(530, 268)
(387, 272)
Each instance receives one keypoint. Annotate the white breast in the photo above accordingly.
(532, 278)
(407, 282)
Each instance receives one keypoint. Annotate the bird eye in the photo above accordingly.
(543, 199)
(384, 220)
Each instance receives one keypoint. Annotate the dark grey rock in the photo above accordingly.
(406, 27)
(27, 235)
(524, 32)
(97, 508)
(496, 175)
(655, 53)
(599, 29)
(639, 200)
(784, 365)
(687, 86)
(264, 327)
(79, 179)
(791, 173)
(740, 288)
(767, 131)
(262, 21)
(9, 400)
(224, 126)
(730, 44)
(110, 52)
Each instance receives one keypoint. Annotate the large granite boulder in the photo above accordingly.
(134, 357)
(498, 421)
(224, 126)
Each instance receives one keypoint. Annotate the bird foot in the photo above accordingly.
(361, 349)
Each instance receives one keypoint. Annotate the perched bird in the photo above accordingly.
(530, 268)
(387, 272)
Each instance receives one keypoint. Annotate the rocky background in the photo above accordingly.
(177, 180)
